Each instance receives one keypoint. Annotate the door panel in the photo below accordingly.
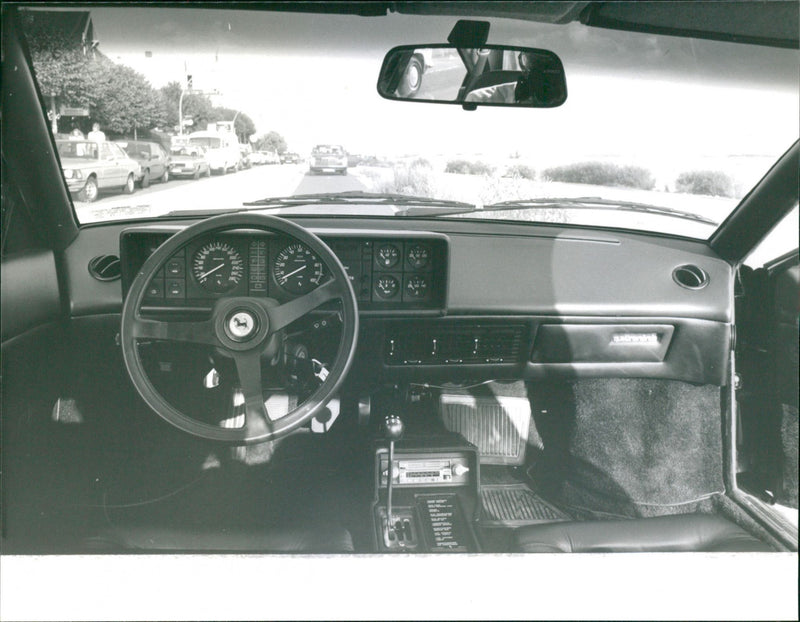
(767, 359)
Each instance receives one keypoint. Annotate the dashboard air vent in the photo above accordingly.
(105, 267)
(475, 344)
(690, 277)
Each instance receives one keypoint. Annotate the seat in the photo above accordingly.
(329, 539)
(683, 532)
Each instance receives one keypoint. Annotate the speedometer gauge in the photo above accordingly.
(217, 267)
(297, 269)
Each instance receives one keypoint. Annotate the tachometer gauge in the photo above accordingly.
(418, 256)
(387, 256)
(217, 267)
(297, 269)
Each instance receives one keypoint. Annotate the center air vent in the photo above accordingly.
(690, 277)
(105, 267)
(468, 344)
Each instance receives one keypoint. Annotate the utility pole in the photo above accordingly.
(180, 112)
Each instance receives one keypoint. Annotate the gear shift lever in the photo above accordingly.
(393, 431)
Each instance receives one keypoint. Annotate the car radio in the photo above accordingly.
(416, 471)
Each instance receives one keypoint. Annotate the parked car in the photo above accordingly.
(90, 167)
(257, 158)
(271, 157)
(539, 361)
(152, 158)
(221, 149)
(189, 161)
(328, 158)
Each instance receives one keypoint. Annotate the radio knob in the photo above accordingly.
(459, 469)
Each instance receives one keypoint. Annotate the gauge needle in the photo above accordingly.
(286, 276)
(214, 269)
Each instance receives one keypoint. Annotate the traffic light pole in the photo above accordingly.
(180, 113)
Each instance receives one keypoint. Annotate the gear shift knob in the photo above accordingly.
(393, 428)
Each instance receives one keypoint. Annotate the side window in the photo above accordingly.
(105, 151)
(783, 238)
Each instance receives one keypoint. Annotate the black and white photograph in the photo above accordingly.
(400, 310)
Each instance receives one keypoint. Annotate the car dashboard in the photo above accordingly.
(447, 298)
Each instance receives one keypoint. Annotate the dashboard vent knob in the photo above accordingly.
(105, 268)
(690, 276)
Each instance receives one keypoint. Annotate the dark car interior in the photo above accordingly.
(449, 386)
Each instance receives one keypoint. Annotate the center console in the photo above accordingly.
(426, 495)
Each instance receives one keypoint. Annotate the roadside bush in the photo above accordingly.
(413, 178)
(602, 174)
(714, 183)
(520, 171)
(467, 167)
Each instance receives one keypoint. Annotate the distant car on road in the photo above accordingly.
(93, 166)
(189, 161)
(152, 158)
(290, 157)
(328, 158)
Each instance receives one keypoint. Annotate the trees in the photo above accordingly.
(243, 124)
(126, 100)
(72, 73)
(196, 106)
(118, 98)
(272, 141)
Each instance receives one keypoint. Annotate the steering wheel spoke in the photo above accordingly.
(201, 332)
(283, 315)
(248, 367)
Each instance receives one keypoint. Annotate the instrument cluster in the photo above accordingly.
(387, 273)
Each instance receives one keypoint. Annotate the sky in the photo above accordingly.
(312, 78)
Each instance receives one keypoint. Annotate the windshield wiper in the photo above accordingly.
(588, 203)
(356, 197)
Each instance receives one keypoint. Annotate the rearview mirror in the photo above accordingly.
(492, 75)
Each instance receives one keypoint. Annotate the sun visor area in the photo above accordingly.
(775, 24)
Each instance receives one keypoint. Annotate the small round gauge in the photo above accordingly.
(388, 255)
(418, 256)
(387, 286)
(416, 286)
(217, 267)
(297, 269)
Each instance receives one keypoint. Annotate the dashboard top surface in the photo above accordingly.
(492, 269)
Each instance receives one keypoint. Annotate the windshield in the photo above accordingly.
(77, 149)
(682, 125)
(206, 142)
(328, 150)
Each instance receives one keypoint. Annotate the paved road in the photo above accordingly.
(220, 191)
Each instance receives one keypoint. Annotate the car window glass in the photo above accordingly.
(651, 121)
(785, 237)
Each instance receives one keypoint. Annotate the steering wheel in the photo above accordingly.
(244, 328)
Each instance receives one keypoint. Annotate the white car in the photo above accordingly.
(328, 159)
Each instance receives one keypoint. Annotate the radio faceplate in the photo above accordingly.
(450, 469)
